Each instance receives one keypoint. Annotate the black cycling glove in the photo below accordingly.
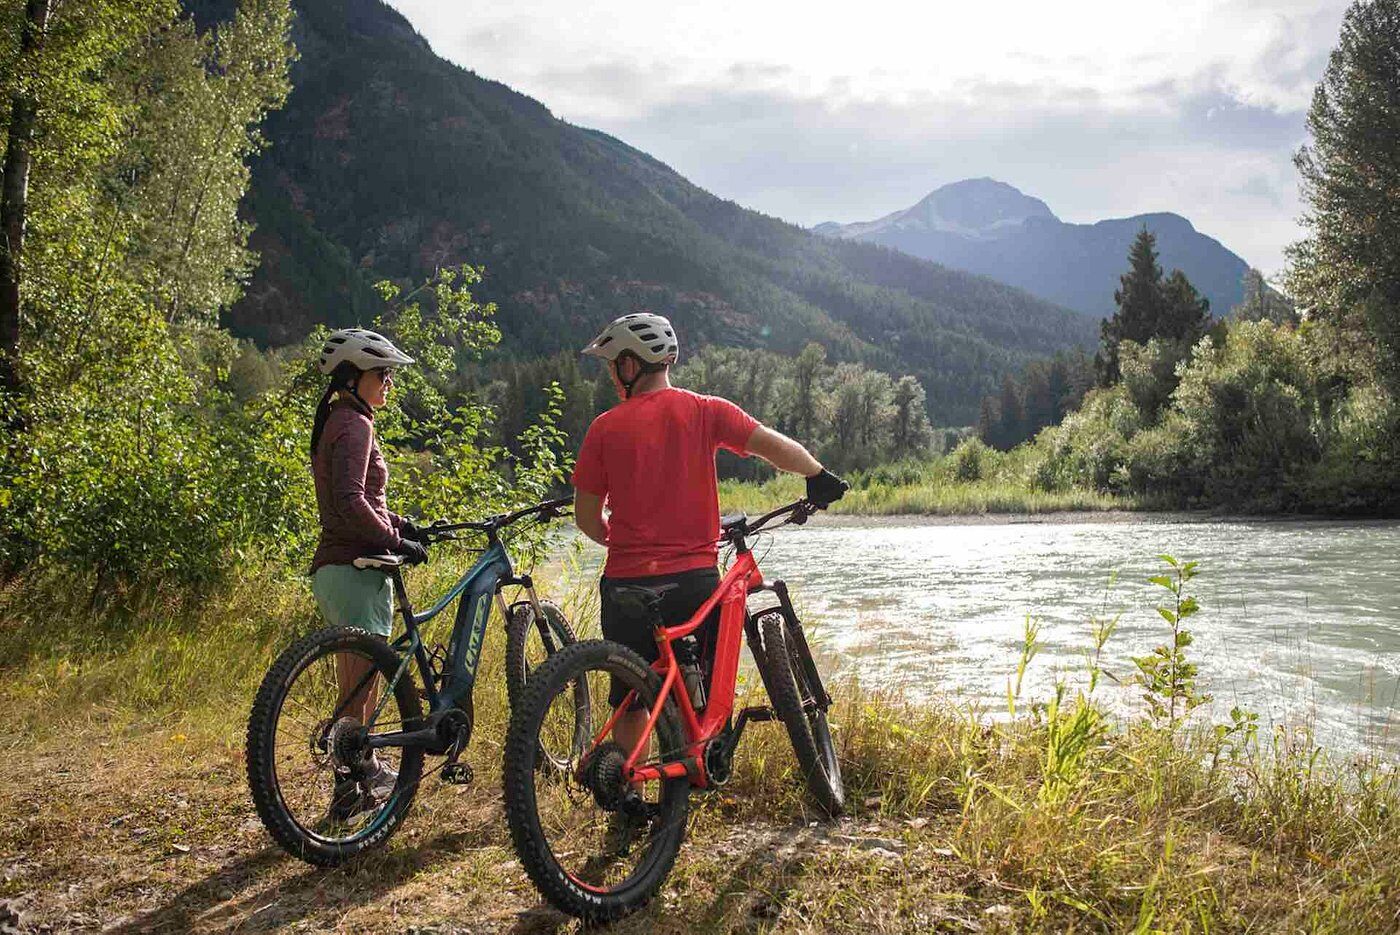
(415, 553)
(412, 532)
(825, 488)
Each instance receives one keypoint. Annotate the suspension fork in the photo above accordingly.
(804, 652)
(528, 583)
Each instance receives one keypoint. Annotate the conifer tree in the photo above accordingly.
(1141, 303)
(1346, 272)
(1186, 313)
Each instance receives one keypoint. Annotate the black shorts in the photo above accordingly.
(692, 588)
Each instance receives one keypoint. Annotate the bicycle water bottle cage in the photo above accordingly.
(378, 561)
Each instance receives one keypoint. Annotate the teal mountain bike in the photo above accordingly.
(338, 735)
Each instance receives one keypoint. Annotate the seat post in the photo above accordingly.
(401, 592)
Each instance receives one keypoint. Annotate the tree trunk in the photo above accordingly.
(14, 192)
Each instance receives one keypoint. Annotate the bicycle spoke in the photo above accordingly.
(596, 828)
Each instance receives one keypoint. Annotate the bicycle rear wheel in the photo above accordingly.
(319, 790)
(595, 847)
(784, 662)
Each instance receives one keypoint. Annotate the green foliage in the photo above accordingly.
(1167, 675)
(128, 453)
(1044, 393)
(1346, 271)
(852, 417)
(148, 445)
(973, 460)
(1149, 373)
(1262, 302)
(1256, 422)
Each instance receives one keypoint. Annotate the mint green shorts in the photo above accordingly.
(355, 597)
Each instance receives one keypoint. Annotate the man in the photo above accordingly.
(651, 460)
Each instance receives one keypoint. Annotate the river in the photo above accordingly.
(1299, 620)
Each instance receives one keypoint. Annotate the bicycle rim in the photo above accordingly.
(597, 847)
(329, 785)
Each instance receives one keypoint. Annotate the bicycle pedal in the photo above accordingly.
(458, 774)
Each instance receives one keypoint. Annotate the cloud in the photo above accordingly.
(825, 111)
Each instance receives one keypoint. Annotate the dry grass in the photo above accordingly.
(126, 809)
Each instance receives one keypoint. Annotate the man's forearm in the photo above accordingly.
(597, 530)
(782, 452)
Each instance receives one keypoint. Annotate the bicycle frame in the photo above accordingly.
(477, 588)
(742, 579)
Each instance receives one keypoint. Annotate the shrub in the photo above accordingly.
(973, 460)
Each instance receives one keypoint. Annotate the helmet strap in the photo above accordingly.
(352, 386)
(643, 368)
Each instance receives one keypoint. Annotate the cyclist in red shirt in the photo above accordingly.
(645, 487)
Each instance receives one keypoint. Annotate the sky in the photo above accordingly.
(847, 111)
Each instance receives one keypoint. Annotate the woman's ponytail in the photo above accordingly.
(323, 412)
(343, 376)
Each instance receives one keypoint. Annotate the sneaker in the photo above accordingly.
(379, 779)
(632, 820)
(348, 803)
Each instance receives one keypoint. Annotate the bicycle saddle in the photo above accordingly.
(385, 560)
(731, 521)
(636, 601)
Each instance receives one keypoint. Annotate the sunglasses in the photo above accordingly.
(386, 374)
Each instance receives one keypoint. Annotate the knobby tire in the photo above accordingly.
(782, 664)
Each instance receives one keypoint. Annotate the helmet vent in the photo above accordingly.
(375, 351)
(649, 336)
(638, 326)
(337, 340)
(607, 340)
(657, 348)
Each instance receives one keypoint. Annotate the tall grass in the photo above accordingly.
(1067, 815)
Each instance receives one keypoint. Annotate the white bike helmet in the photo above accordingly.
(649, 336)
(367, 350)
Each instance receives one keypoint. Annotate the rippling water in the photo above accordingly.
(1300, 621)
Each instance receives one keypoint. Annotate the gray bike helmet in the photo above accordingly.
(367, 350)
(649, 336)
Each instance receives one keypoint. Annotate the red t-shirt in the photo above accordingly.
(652, 459)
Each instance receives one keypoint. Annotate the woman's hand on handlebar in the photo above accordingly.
(412, 532)
(414, 553)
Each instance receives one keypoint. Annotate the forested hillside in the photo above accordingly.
(389, 162)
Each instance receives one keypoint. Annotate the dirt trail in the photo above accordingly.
(95, 838)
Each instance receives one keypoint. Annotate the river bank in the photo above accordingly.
(128, 810)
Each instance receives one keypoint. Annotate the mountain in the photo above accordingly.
(988, 227)
(389, 161)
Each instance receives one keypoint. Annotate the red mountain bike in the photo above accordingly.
(600, 837)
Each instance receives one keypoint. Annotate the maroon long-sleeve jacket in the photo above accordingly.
(350, 476)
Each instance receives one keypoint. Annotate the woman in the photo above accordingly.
(350, 476)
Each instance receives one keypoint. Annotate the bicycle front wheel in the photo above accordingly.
(531, 639)
(597, 847)
(784, 662)
(323, 793)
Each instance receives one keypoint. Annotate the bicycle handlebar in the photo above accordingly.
(796, 513)
(549, 509)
